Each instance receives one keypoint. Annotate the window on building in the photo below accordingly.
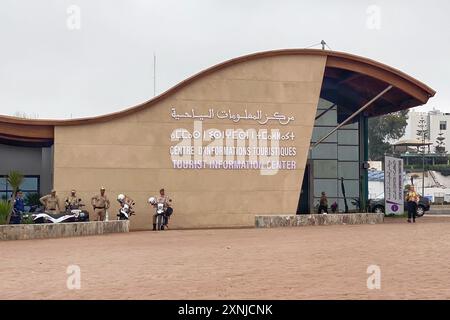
(443, 125)
(30, 184)
(336, 157)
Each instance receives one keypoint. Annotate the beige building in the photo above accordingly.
(230, 142)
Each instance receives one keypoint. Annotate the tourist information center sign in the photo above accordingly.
(393, 185)
(257, 147)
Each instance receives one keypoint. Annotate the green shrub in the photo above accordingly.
(15, 179)
(5, 209)
(32, 199)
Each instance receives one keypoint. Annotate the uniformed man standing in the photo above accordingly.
(72, 201)
(51, 202)
(166, 201)
(100, 203)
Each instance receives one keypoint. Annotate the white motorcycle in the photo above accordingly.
(160, 213)
(126, 207)
(77, 211)
(74, 216)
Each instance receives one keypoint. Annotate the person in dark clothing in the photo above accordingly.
(19, 204)
(411, 199)
(19, 208)
(323, 204)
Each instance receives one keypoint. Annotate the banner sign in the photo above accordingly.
(393, 186)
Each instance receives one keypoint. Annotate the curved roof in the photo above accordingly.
(349, 80)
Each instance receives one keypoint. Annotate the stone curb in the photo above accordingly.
(276, 221)
(62, 230)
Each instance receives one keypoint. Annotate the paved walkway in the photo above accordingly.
(328, 262)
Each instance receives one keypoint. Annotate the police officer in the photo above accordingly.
(72, 201)
(100, 203)
(166, 201)
(51, 202)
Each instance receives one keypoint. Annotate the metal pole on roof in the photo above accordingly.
(154, 74)
(352, 116)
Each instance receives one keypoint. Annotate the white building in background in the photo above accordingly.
(436, 122)
(413, 124)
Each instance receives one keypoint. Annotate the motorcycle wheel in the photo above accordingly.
(159, 222)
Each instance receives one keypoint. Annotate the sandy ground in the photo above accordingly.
(328, 262)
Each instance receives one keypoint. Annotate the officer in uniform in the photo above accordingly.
(166, 201)
(72, 201)
(100, 203)
(51, 203)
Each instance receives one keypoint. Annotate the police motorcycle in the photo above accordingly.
(162, 214)
(76, 216)
(72, 213)
(76, 210)
(126, 207)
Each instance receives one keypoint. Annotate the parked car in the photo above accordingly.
(377, 206)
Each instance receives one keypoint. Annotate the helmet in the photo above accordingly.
(120, 197)
(152, 200)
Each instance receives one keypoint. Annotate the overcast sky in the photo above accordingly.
(51, 68)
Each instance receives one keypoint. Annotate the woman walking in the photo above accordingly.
(412, 199)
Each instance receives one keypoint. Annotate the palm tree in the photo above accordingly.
(15, 179)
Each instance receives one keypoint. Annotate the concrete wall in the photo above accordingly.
(274, 221)
(28, 161)
(61, 230)
(131, 154)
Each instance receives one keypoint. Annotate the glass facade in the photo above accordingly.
(335, 157)
(30, 184)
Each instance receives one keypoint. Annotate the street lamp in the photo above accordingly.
(423, 163)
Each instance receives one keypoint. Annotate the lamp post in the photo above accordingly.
(422, 132)
(423, 163)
